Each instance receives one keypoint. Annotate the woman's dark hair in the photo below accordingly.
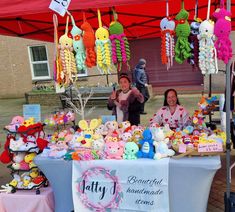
(124, 75)
(166, 94)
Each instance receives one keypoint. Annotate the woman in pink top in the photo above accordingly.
(171, 113)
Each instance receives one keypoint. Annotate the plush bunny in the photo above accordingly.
(130, 151)
(160, 144)
(146, 150)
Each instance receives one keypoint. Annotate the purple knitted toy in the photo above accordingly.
(222, 31)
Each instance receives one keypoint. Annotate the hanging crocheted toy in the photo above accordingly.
(167, 41)
(120, 44)
(222, 31)
(194, 43)
(58, 70)
(89, 43)
(182, 47)
(103, 48)
(78, 46)
(67, 57)
(207, 52)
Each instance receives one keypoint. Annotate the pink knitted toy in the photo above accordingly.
(222, 30)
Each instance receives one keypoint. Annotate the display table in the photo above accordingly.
(28, 201)
(189, 180)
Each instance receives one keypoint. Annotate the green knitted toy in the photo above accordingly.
(120, 44)
(182, 47)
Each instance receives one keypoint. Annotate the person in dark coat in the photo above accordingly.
(141, 82)
(126, 102)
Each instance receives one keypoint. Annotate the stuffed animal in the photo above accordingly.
(194, 43)
(89, 43)
(16, 144)
(167, 26)
(146, 150)
(120, 44)
(114, 150)
(207, 52)
(98, 144)
(126, 137)
(15, 123)
(182, 47)
(222, 31)
(67, 58)
(130, 151)
(6, 156)
(78, 46)
(161, 147)
(103, 48)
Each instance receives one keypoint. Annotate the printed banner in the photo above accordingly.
(116, 185)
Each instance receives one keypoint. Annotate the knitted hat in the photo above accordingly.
(124, 75)
(142, 61)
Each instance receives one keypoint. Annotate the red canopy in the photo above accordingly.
(141, 18)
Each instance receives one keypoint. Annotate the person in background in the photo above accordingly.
(126, 102)
(141, 81)
(172, 112)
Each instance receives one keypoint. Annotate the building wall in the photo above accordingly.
(15, 72)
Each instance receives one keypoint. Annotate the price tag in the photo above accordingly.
(60, 6)
(210, 147)
(182, 148)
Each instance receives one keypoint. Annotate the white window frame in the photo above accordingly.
(39, 62)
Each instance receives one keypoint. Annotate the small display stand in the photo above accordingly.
(24, 144)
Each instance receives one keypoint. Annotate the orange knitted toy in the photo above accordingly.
(89, 43)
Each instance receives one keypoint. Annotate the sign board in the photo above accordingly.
(111, 185)
(60, 6)
(210, 147)
(32, 110)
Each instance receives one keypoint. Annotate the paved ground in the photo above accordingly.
(10, 108)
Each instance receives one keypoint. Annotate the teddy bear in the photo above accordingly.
(130, 151)
(114, 150)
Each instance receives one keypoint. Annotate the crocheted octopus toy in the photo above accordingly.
(207, 52)
(194, 43)
(89, 43)
(67, 57)
(167, 41)
(103, 48)
(78, 46)
(222, 31)
(120, 44)
(182, 47)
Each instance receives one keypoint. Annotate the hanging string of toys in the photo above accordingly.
(193, 39)
(67, 57)
(207, 52)
(182, 47)
(57, 60)
(222, 31)
(120, 44)
(103, 48)
(89, 43)
(78, 46)
(167, 26)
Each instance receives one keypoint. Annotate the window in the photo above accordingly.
(39, 62)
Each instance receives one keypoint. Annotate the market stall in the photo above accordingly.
(183, 171)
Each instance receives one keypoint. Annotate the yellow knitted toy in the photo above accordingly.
(103, 48)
